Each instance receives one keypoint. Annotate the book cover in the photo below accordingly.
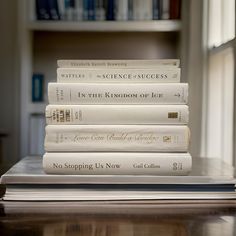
(118, 63)
(117, 163)
(119, 93)
(116, 114)
(133, 138)
(152, 75)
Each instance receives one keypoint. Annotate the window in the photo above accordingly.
(219, 92)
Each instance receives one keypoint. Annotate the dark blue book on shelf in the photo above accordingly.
(85, 9)
(156, 9)
(37, 87)
(42, 10)
(130, 9)
(110, 10)
(53, 10)
(69, 9)
(91, 9)
(69, 3)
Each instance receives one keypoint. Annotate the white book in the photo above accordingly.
(118, 63)
(78, 10)
(146, 10)
(121, 10)
(152, 75)
(146, 138)
(100, 10)
(61, 8)
(137, 10)
(119, 93)
(116, 114)
(117, 163)
(165, 9)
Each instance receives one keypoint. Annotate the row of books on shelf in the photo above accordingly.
(100, 10)
(118, 117)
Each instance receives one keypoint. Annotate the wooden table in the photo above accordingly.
(120, 219)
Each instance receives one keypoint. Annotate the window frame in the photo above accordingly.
(207, 53)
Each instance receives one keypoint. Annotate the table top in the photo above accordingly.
(119, 218)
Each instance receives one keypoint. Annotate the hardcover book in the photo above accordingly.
(209, 179)
(134, 75)
(116, 114)
(135, 138)
(120, 93)
(118, 63)
(117, 163)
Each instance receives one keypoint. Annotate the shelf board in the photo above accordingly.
(106, 26)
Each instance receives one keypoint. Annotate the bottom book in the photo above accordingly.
(117, 163)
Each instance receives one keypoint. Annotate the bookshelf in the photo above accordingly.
(41, 43)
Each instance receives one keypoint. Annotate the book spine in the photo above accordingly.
(123, 93)
(149, 138)
(37, 87)
(146, 10)
(91, 10)
(121, 10)
(165, 9)
(61, 8)
(53, 10)
(110, 10)
(137, 10)
(116, 114)
(175, 9)
(117, 63)
(78, 11)
(117, 163)
(130, 10)
(85, 10)
(161, 75)
(156, 9)
(42, 10)
(69, 10)
(100, 10)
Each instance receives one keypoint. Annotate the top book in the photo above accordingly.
(118, 63)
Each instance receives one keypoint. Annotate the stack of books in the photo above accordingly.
(117, 117)
(210, 179)
(117, 132)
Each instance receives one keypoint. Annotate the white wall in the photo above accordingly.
(9, 83)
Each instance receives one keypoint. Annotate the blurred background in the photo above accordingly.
(36, 33)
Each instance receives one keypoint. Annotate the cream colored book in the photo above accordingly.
(117, 63)
(129, 75)
(146, 138)
(116, 114)
(115, 163)
(119, 93)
